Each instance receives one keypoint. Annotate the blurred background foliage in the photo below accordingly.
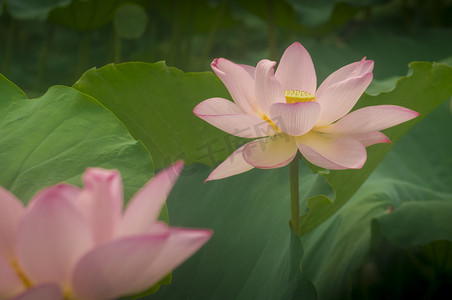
(48, 42)
(364, 250)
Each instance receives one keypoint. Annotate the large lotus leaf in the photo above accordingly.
(155, 103)
(56, 137)
(83, 15)
(408, 198)
(423, 90)
(253, 254)
(33, 9)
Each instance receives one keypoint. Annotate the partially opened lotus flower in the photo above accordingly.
(76, 243)
(288, 113)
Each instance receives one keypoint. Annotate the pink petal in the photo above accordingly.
(233, 165)
(10, 283)
(144, 208)
(372, 138)
(181, 244)
(115, 268)
(332, 152)
(101, 202)
(228, 117)
(295, 118)
(372, 118)
(296, 70)
(338, 99)
(249, 69)
(52, 236)
(238, 82)
(44, 291)
(356, 69)
(11, 212)
(269, 153)
(61, 191)
(267, 88)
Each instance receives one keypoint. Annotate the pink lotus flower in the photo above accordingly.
(79, 244)
(287, 113)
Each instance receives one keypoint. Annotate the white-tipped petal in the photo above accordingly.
(271, 152)
(295, 118)
(370, 119)
(227, 116)
(144, 208)
(267, 88)
(233, 165)
(332, 152)
(372, 138)
(296, 70)
(238, 81)
(356, 69)
(338, 99)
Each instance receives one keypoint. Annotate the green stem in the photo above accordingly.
(294, 197)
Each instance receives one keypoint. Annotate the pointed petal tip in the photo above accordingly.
(215, 66)
(385, 140)
(195, 109)
(204, 235)
(212, 176)
(295, 45)
(179, 164)
(410, 114)
(214, 63)
(367, 61)
(198, 236)
(100, 174)
(267, 64)
(233, 165)
(172, 172)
